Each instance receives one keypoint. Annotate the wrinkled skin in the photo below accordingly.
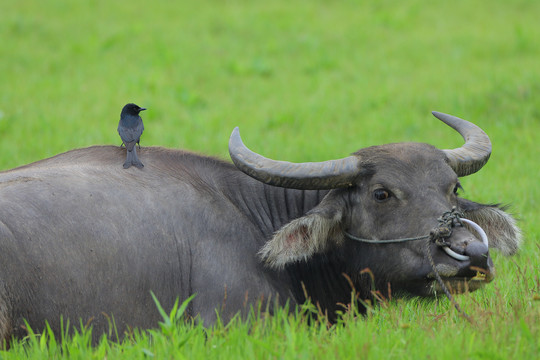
(82, 238)
(419, 187)
(412, 209)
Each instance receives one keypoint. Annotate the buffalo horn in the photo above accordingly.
(304, 176)
(474, 154)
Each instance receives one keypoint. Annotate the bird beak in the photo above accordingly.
(141, 109)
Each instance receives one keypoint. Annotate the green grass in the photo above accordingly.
(305, 81)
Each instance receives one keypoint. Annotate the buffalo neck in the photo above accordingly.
(269, 207)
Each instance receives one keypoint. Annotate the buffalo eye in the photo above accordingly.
(382, 195)
(457, 188)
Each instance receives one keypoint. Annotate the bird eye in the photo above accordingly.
(382, 195)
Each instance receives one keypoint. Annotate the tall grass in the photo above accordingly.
(399, 329)
(305, 81)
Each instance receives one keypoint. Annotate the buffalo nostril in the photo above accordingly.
(478, 254)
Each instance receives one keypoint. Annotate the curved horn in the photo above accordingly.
(474, 154)
(304, 176)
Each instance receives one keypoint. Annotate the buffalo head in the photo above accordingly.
(382, 205)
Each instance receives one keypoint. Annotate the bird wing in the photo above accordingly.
(130, 134)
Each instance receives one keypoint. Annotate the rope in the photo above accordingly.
(445, 289)
(374, 241)
(437, 235)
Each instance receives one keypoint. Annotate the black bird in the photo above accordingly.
(130, 129)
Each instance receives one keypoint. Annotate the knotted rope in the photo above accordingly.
(438, 235)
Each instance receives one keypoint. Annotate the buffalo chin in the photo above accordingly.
(459, 281)
(430, 287)
(458, 285)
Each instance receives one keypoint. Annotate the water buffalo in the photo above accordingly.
(83, 238)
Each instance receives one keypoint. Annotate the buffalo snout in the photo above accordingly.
(478, 254)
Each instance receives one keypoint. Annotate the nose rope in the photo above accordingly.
(445, 288)
(439, 235)
(447, 221)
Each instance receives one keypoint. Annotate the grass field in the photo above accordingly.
(304, 81)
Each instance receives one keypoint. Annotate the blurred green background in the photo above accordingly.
(304, 81)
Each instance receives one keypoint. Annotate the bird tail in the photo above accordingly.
(132, 159)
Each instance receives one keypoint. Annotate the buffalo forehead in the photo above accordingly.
(405, 152)
(395, 163)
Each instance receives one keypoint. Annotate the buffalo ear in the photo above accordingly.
(305, 236)
(500, 227)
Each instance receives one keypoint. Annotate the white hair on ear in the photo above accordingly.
(301, 238)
